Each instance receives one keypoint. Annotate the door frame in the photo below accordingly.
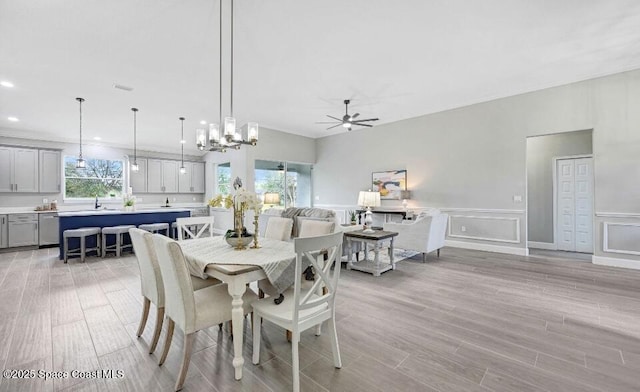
(555, 197)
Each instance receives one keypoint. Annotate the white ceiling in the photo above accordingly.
(295, 60)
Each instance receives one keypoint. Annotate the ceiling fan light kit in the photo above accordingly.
(347, 121)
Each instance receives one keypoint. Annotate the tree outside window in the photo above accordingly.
(224, 179)
(101, 178)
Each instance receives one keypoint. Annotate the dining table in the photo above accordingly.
(213, 257)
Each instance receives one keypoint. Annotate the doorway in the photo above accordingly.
(554, 221)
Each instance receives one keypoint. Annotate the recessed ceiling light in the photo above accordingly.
(5, 83)
(97, 138)
(203, 122)
(13, 119)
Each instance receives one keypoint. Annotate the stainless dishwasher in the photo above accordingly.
(49, 227)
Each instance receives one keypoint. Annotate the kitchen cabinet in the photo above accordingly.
(23, 230)
(48, 228)
(3, 231)
(138, 180)
(50, 171)
(162, 176)
(193, 180)
(18, 170)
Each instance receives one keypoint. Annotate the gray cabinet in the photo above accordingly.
(162, 176)
(49, 226)
(18, 169)
(138, 180)
(50, 171)
(3, 231)
(193, 180)
(23, 230)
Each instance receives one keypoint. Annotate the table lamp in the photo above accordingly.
(405, 195)
(368, 199)
(272, 198)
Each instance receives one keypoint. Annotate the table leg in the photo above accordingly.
(350, 256)
(236, 290)
(376, 259)
(366, 251)
(393, 262)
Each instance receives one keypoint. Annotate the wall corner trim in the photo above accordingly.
(488, 247)
(616, 262)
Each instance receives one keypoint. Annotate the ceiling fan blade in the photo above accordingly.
(361, 125)
(335, 118)
(326, 122)
(334, 126)
(354, 116)
(368, 119)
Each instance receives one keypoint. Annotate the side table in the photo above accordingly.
(375, 239)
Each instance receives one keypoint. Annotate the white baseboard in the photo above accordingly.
(488, 247)
(542, 245)
(616, 262)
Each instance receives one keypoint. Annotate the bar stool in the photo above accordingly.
(119, 246)
(155, 228)
(81, 233)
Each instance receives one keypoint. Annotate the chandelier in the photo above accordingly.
(229, 136)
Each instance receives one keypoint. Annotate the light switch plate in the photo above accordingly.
(517, 198)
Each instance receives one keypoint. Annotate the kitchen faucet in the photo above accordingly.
(98, 205)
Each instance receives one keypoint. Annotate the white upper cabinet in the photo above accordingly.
(18, 170)
(193, 180)
(50, 171)
(170, 176)
(138, 180)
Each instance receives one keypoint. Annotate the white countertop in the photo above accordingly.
(85, 209)
(121, 212)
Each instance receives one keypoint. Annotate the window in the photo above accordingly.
(292, 181)
(223, 176)
(101, 178)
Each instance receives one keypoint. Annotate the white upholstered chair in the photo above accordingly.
(151, 281)
(190, 310)
(194, 227)
(425, 234)
(305, 308)
(313, 228)
(279, 228)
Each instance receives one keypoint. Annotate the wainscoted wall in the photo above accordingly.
(484, 229)
(619, 243)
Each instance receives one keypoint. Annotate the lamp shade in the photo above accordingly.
(369, 199)
(271, 198)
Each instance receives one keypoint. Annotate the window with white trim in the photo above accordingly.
(101, 178)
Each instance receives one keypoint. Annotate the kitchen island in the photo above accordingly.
(106, 218)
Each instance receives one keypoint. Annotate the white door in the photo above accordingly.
(574, 205)
(584, 205)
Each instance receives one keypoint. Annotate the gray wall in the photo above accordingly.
(541, 150)
(472, 160)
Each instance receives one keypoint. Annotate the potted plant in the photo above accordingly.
(352, 217)
(129, 202)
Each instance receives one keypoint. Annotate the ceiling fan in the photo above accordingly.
(347, 121)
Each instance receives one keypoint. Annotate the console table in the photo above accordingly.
(385, 212)
(375, 239)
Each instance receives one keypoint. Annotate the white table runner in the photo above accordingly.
(276, 258)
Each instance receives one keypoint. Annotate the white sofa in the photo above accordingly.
(424, 234)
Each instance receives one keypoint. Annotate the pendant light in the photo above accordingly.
(134, 166)
(225, 134)
(80, 163)
(183, 170)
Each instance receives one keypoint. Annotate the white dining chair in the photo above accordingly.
(190, 310)
(152, 287)
(305, 308)
(194, 227)
(279, 228)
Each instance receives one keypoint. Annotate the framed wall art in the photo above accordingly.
(389, 183)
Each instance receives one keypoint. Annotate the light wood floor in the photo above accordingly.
(469, 321)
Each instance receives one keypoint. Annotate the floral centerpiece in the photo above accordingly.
(243, 201)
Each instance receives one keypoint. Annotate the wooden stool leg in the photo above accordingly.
(83, 248)
(66, 249)
(104, 245)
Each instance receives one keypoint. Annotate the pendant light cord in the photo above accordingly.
(181, 142)
(231, 103)
(80, 100)
(220, 76)
(135, 137)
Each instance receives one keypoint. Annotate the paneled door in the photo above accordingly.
(574, 205)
